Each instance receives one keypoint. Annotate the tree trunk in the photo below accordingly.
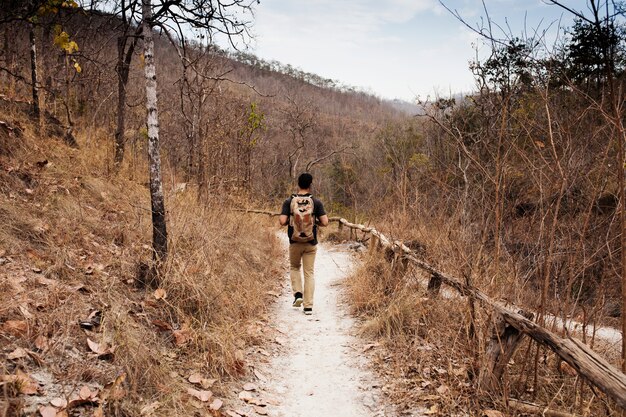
(123, 69)
(159, 229)
(33, 71)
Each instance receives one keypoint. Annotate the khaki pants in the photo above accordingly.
(303, 254)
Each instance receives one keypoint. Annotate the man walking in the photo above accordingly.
(303, 213)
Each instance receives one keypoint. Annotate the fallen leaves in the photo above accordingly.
(492, 413)
(102, 350)
(159, 294)
(85, 393)
(24, 383)
(198, 379)
(203, 395)
(246, 396)
(216, 404)
(41, 343)
(17, 354)
(48, 411)
(249, 386)
(260, 410)
(15, 327)
(59, 402)
(182, 336)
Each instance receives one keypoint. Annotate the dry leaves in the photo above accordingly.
(47, 411)
(442, 389)
(15, 327)
(85, 393)
(260, 410)
(249, 386)
(41, 343)
(23, 381)
(101, 349)
(216, 404)
(246, 396)
(198, 379)
(182, 336)
(203, 395)
(159, 294)
(492, 413)
(17, 354)
(59, 402)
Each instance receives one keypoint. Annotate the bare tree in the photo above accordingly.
(175, 16)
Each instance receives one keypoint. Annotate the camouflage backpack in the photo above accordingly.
(302, 219)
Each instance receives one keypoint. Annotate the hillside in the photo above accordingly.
(79, 326)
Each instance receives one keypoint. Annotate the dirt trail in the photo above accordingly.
(320, 369)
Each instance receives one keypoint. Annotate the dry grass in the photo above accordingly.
(432, 348)
(72, 238)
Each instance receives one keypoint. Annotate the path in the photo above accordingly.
(320, 369)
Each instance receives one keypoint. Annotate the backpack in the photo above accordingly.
(302, 219)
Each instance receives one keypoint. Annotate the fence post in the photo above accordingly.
(504, 341)
(434, 285)
(374, 243)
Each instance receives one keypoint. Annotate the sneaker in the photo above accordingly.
(297, 302)
(308, 311)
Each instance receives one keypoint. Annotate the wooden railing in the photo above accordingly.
(591, 366)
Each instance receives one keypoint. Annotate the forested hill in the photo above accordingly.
(232, 106)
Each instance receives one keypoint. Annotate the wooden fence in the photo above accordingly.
(510, 326)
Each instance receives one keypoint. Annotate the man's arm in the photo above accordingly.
(285, 211)
(323, 220)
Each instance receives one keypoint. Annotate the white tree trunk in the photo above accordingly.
(159, 229)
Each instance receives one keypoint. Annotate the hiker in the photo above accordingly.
(304, 213)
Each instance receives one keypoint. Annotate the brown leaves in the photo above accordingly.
(245, 396)
(198, 379)
(16, 328)
(41, 343)
(160, 294)
(492, 413)
(47, 411)
(23, 382)
(203, 395)
(249, 386)
(17, 354)
(101, 350)
(216, 404)
(85, 393)
(182, 336)
(59, 402)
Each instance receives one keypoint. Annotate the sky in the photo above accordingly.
(393, 48)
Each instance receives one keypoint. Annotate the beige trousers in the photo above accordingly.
(303, 254)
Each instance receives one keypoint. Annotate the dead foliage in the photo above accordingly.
(77, 335)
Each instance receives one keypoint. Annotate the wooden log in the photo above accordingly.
(530, 408)
(502, 345)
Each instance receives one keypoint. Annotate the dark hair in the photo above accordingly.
(305, 180)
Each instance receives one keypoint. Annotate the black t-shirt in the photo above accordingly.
(318, 211)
